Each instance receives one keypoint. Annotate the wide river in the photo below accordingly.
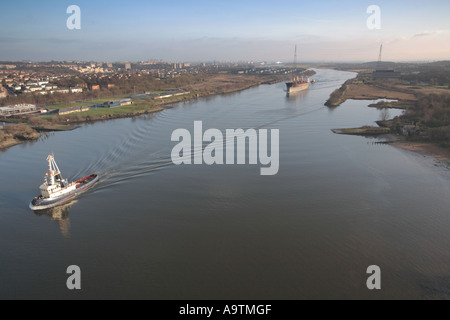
(153, 230)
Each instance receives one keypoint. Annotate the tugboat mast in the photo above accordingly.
(53, 169)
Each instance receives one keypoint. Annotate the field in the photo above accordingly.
(224, 83)
(368, 92)
(86, 103)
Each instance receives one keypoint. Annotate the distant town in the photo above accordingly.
(50, 96)
(56, 95)
(79, 76)
(61, 88)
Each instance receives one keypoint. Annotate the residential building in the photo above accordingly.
(76, 90)
(3, 92)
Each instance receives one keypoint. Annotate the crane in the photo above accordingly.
(379, 57)
(295, 56)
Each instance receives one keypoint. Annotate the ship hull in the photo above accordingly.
(41, 203)
(292, 87)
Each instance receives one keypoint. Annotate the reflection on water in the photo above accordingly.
(294, 97)
(60, 215)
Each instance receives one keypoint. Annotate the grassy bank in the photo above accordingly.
(361, 89)
(363, 131)
(15, 134)
(210, 85)
(425, 124)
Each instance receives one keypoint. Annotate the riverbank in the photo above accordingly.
(404, 97)
(214, 84)
(425, 148)
(13, 135)
(353, 89)
(363, 131)
(9, 142)
(429, 149)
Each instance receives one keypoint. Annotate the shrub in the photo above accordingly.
(441, 134)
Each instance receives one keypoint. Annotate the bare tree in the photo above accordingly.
(385, 114)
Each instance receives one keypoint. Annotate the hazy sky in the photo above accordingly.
(182, 30)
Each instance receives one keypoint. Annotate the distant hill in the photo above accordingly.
(445, 63)
(404, 67)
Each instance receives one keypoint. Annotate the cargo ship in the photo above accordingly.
(297, 84)
(56, 191)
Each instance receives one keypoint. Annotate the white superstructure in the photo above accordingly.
(55, 186)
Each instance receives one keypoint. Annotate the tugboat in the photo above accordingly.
(56, 191)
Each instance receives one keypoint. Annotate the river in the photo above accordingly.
(153, 230)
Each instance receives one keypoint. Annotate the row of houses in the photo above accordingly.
(107, 104)
(42, 87)
(49, 89)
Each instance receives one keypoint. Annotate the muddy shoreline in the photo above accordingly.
(440, 154)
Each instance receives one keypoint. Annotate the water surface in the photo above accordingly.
(153, 230)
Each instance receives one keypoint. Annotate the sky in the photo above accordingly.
(225, 30)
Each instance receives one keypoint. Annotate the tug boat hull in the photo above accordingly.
(82, 185)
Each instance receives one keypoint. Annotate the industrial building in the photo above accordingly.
(70, 110)
(172, 93)
(17, 109)
(385, 74)
(117, 103)
(166, 94)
